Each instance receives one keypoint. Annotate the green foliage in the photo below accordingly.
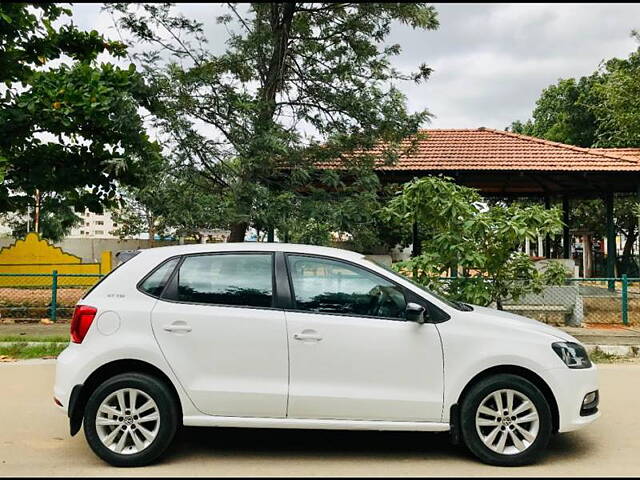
(555, 274)
(618, 107)
(297, 84)
(599, 110)
(71, 131)
(563, 113)
(56, 219)
(459, 231)
(169, 204)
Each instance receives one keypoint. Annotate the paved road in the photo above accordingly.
(34, 440)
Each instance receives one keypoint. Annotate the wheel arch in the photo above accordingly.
(514, 370)
(81, 393)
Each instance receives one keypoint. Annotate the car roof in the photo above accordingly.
(168, 251)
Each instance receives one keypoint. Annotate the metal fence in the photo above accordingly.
(33, 296)
(576, 302)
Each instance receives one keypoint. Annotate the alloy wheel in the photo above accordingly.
(127, 421)
(507, 422)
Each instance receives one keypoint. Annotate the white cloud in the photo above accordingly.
(491, 61)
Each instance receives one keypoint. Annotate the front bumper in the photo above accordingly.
(570, 386)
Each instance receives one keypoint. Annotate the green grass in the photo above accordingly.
(34, 338)
(24, 351)
(598, 356)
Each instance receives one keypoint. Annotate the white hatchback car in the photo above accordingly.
(296, 336)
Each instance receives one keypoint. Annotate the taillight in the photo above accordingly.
(83, 316)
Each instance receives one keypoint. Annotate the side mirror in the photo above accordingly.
(415, 313)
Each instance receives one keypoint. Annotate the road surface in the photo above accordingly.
(34, 440)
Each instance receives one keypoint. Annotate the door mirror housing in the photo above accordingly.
(415, 313)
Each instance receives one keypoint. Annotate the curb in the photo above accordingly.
(29, 361)
(617, 350)
(33, 344)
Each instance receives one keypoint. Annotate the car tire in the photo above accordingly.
(148, 428)
(502, 434)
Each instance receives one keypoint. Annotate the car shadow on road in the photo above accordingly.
(310, 443)
(337, 444)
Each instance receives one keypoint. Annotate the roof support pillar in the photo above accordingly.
(611, 239)
(547, 238)
(566, 237)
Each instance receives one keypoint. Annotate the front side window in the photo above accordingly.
(227, 279)
(330, 286)
(154, 283)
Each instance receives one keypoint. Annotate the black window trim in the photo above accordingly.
(156, 268)
(408, 294)
(171, 286)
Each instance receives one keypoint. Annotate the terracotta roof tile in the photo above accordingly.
(632, 153)
(488, 149)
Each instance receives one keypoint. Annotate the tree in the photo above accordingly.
(71, 132)
(563, 113)
(55, 218)
(618, 107)
(599, 110)
(461, 232)
(172, 204)
(298, 84)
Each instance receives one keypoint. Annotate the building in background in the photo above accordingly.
(94, 225)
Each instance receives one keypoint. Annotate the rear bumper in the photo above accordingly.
(570, 387)
(68, 375)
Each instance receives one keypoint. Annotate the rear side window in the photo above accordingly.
(227, 279)
(154, 283)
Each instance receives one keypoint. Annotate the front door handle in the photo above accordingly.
(177, 327)
(307, 336)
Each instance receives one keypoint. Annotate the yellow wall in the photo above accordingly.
(34, 255)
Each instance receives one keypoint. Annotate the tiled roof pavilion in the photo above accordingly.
(505, 163)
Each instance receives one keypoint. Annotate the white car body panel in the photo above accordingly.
(237, 362)
(487, 338)
(235, 372)
(313, 424)
(364, 369)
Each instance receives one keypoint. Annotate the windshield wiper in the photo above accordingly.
(465, 307)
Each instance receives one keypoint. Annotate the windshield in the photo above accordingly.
(463, 307)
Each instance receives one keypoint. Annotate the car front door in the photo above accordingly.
(219, 330)
(353, 356)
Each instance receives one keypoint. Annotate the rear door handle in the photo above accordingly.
(307, 336)
(177, 327)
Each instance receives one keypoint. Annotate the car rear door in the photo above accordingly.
(219, 330)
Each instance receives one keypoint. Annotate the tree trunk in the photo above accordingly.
(36, 213)
(238, 231)
(151, 229)
(499, 304)
(627, 250)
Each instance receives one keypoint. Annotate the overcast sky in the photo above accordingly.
(490, 61)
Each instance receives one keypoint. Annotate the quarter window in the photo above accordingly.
(154, 284)
(330, 286)
(227, 279)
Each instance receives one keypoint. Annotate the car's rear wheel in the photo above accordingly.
(130, 419)
(506, 420)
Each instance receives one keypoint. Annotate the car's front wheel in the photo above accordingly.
(130, 419)
(506, 420)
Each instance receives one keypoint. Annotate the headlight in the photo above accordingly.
(572, 354)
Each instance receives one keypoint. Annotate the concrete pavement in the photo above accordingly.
(34, 440)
